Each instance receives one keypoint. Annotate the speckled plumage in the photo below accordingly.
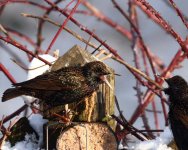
(178, 112)
(63, 86)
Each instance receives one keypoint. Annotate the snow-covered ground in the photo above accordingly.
(160, 143)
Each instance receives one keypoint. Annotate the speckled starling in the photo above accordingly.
(178, 112)
(63, 86)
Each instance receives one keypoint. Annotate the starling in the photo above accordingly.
(178, 110)
(66, 85)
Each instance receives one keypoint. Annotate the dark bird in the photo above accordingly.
(178, 110)
(66, 85)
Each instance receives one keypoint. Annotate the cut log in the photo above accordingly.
(87, 136)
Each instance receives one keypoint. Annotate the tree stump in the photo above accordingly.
(87, 136)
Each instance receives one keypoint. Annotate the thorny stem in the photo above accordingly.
(138, 34)
(82, 27)
(7, 132)
(63, 26)
(40, 25)
(128, 128)
(7, 73)
(23, 48)
(133, 17)
(155, 16)
(97, 13)
(179, 13)
(23, 2)
(16, 113)
(24, 37)
(169, 5)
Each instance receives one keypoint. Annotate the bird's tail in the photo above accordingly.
(11, 93)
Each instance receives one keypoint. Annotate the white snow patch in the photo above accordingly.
(37, 122)
(160, 143)
(30, 143)
(38, 67)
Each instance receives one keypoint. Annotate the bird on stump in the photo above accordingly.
(66, 85)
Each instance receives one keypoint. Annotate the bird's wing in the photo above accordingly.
(57, 80)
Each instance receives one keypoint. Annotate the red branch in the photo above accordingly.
(155, 16)
(24, 2)
(99, 15)
(82, 27)
(63, 25)
(16, 113)
(24, 37)
(23, 48)
(179, 13)
(7, 73)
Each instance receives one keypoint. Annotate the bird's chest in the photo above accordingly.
(178, 113)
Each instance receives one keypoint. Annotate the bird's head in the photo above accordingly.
(177, 86)
(96, 72)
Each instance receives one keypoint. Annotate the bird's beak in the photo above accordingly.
(103, 78)
(166, 89)
(117, 74)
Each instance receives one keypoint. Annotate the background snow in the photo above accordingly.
(160, 143)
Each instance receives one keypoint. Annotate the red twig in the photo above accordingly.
(138, 33)
(156, 119)
(24, 37)
(23, 48)
(179, 13)
(7, 73)
(41, 23)
(155, 16)
(143, 46)
(63, 25)
(6, 132)
(135, 43)
(97, 13)
(24, 2)
(82, 27)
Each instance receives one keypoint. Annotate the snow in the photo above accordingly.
(38, 67)
(30, 142)
(37, 121)
(27, 144)
(160, 143)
